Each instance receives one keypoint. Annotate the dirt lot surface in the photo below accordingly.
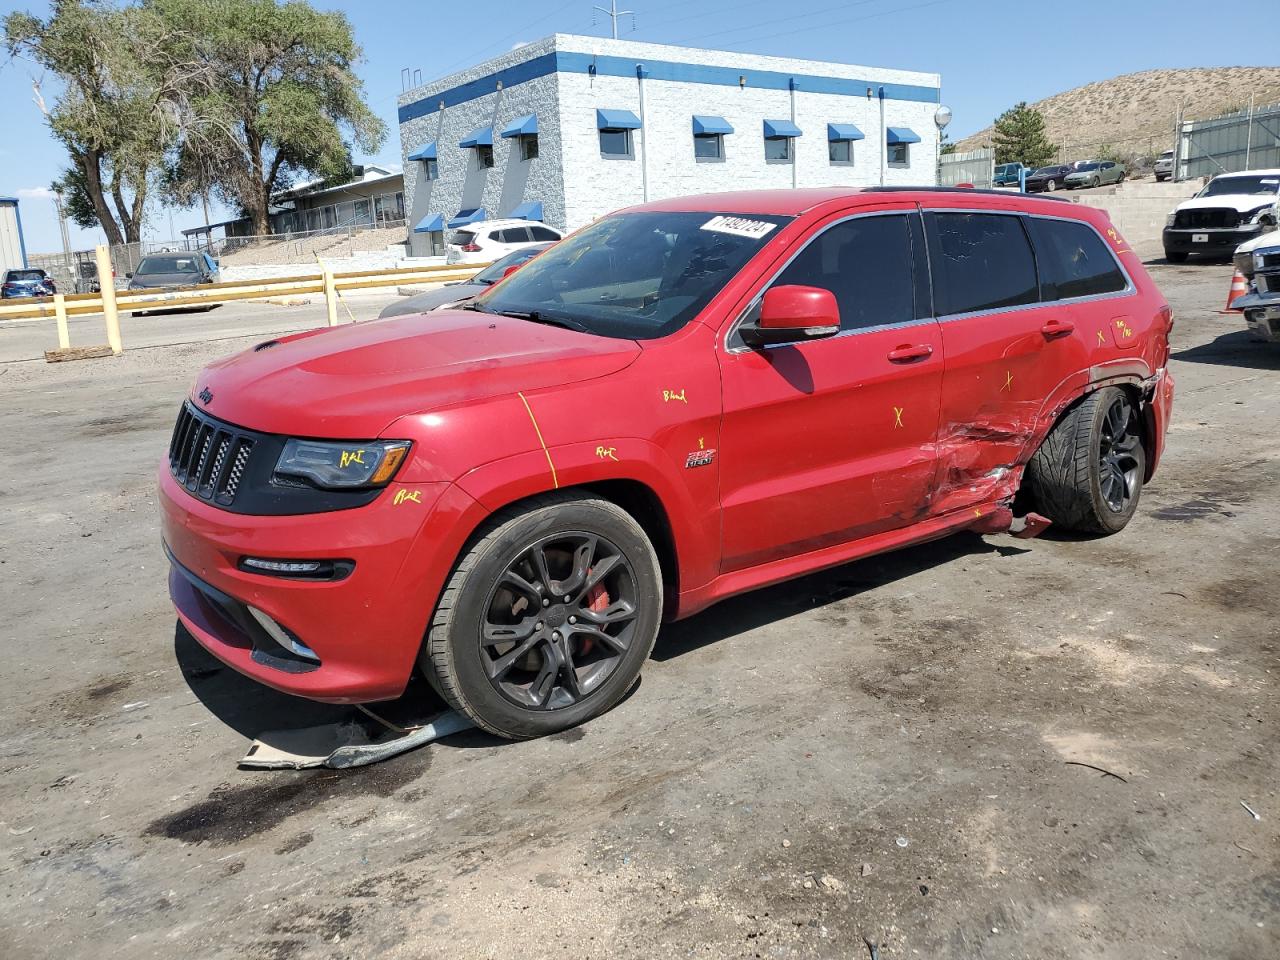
(890, 749)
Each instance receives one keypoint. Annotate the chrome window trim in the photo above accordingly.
(1130, 287)
(759, 295)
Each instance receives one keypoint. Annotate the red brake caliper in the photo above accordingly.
(597, 601)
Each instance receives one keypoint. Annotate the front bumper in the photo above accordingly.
(1216, 241)
(365, 629)
(1262, 314)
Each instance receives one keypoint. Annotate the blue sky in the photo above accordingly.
(989, 58)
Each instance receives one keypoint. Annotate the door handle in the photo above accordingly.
(908, 353)
(1056, 328)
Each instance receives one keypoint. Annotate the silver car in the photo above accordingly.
(463, 290)
(1095, 173)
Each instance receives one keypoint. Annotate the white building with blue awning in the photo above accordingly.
(569, 128)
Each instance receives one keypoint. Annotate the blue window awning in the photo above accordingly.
(431, 223)
(527, 211)
(710, 125)
(843, 131)
(777, 129)
(479, 137)
(426, 153)
(526, 126)
(617, 120)
(901, 135)
(471, 215)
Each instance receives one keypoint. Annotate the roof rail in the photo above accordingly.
(966, 190)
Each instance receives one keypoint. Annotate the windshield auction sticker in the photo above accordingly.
(739, 226)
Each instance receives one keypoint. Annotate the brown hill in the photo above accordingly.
(1134, 114)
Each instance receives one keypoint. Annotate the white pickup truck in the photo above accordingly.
(1231, 209)
(1259, 261)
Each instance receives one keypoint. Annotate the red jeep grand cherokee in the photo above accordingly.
(680, 402)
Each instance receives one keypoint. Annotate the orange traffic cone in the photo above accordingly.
(1239, 287)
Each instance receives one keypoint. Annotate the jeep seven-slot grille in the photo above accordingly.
(208, 457)
(1211, 218)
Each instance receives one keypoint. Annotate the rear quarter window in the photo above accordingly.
(981, 261)
(543, 233)
(1074, 261)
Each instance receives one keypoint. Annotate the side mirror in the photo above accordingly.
(128, 276)
(791, 313)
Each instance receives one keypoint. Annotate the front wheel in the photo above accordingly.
(547, 618)
(1051, 186)
(1087, 475)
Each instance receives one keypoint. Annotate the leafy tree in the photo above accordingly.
(76, 201)
(109, 109)
(1019, 135)
(281, 99)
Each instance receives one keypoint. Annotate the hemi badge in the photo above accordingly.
(205, 396)
(699, 458)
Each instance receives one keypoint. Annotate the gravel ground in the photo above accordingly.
(889, 750)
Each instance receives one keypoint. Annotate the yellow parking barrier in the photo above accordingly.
(107, 287)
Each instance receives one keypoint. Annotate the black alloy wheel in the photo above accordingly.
(559, 621)
(1118, 463)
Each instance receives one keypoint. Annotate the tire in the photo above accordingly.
(579, 659)
(1176, 256)
(1097, 182)
(1087, 475)
(1051, 186)
(1120, 179)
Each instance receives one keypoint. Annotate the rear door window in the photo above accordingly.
(1073, 260)
(512, 235)
(866, 262)
(544, 233)
(981, 261)
(463, 238)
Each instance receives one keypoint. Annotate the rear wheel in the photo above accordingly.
(548, 618)
(1087, 475)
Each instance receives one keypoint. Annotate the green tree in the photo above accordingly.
(1019, 135)
(109, 111)
(279, 98)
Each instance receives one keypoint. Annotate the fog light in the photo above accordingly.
(299, 569)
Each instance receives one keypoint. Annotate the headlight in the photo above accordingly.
(1168, 221)
(342, 465)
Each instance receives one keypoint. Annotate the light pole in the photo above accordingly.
(941, 117)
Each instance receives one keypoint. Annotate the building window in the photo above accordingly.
(529, 147)
(777, 149)
(431, 169)
(899, 154)
(484, 156)
(708, 146)
(616, 144)
(840, 152)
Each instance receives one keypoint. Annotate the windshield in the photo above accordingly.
(493, 273)
(167, 265)
(26, 275)
(636, 275)
(1242, 186)
(1087, 166)
(1048, 171)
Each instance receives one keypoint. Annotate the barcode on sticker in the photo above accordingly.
(739, 226)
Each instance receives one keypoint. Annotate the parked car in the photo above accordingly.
(1094, 173)
(167, 271)
(1163, 168)
(682, 401)
(1231, 209)
(488, 240)
(452, 294)
(1048, 178)
(1006, 174)
(1259, 261)
(26, 282)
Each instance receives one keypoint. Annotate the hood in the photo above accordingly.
(1260, 242)
(141, 281)
(422, 302)
(353, 381)
(1239, 202)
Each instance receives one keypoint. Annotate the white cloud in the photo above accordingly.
(520, 43)
(35, 193)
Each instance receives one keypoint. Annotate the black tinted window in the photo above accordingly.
(866, 263)
(1073, 259)
(981, 261)
(544, 233)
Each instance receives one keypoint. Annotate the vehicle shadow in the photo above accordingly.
(1235, 349)
(752, 610)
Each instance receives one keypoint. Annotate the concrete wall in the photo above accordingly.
(1139, 208)
(576, 185)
